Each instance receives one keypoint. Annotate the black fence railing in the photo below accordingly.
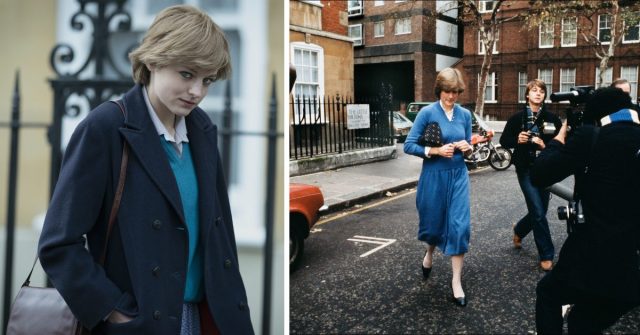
(319, 126)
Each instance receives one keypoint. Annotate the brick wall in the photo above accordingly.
(334, 17)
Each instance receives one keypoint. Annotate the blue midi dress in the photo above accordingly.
(442, 198)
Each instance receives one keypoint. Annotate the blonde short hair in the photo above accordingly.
(448, 80)
(182, 35)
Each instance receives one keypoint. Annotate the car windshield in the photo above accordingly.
(397, 117)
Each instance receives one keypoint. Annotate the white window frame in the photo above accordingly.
(630, 73)
(491, 85)
(313, 2)
(607, 22)
(544, 30)
(357, 40)
(378, 29)
(355, 10)
(608, 77)
(377, 3)
(483, 8)
(481, 50)
(408, 26)
(299, 68)
(567, 79)
(542, 75)
(624, 37)
(522, 86)
(564, 30)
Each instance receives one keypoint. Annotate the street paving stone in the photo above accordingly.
(337, 292)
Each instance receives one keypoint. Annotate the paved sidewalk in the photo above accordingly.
(351, 185)
(347, 186)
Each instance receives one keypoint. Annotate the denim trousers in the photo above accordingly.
(537, 200)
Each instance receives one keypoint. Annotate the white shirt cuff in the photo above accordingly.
(426, 151)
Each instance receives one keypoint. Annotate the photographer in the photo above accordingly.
(598, 266)
(525, 133)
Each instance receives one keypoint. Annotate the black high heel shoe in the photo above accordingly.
(425, 271)
(461, 301)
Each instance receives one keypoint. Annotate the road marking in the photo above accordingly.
(374, 240)
(363, 208)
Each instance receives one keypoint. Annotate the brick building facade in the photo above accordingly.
(560, 57)
(320, 48)
(400, 44)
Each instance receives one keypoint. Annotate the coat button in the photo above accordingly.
(156, 224)
(218, 220)
(156, 315)
(242, 306)
(156, 271)
(227, 264)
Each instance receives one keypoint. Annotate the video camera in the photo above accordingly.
(572, 213)
(577, 97)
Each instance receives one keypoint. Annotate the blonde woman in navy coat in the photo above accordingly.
(172, 265)
(443, 188)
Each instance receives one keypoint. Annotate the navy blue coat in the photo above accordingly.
(145, 268)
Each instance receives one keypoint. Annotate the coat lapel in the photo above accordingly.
(145, 144)
(203, 143)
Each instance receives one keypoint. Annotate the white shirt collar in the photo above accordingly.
(181, 125)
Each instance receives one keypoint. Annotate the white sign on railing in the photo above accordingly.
(358, 116)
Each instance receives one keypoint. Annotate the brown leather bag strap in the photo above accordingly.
(116, 200)
(120, 188)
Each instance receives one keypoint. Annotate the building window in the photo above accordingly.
(632, 35)
(522, 86)
(316, 2)
(486, 6)
(604, 28)
(491, 90)
(403, 26)
(378, 3)
(630, 73)
(355, 32)
(569, 32)
(608, 77)
(378, 29)
(546, 34)
(308, 60)
(481, 50)
(567, 79)
(354, 7)
(546, 75)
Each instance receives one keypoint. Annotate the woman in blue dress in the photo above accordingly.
(443, 188)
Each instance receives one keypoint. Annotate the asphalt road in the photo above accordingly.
(342, 287)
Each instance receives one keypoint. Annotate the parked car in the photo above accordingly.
(415, 107)
(401, 126)
(305, 204)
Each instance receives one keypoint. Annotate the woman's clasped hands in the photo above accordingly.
(449, 149)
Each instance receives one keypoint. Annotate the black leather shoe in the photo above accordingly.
(461, 301)
(425, 271)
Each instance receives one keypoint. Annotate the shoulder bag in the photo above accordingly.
(42, 310)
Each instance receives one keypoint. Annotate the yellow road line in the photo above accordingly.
(341, 215)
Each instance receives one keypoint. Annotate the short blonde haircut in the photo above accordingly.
(182, 35)
(449, 80)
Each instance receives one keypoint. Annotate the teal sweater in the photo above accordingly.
(185, 174)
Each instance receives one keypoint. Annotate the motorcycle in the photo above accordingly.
(483, 149)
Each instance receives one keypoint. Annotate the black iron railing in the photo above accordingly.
(318, 126)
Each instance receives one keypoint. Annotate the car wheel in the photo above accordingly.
(401, 139)
(296, 247)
